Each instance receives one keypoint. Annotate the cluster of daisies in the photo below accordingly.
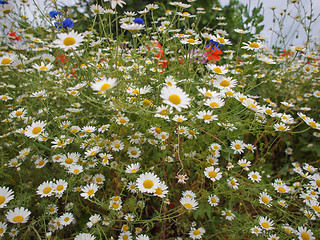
(103, 138)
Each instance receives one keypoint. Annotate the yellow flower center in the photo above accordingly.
(188, 205)
(214, 105)
(269, 111)
(254, 45)
(68, 41)
(233, 182)
(122, 121)
(60, 187)
(133, 170)
(265, 225)
(99, 179)
(19, 113)
(36, 130)
(158, 191)
(115, 205)
(213, 200)
(282, 189)
(68, 160)
(281, 128)
(208, 94)
(117, 145)
(312, 124)
(191, 40)
(44, 68)
(196, 232)
(305, 236)
(105, 86)
(316, 208)
(265, 200)
(220, 40)
(46, 190)
(217, 70)
(18, 219)
(228, 214)
(206, 117)
(229, 93)
(2, 199)
(90, 192)
(175, 99)
(212, 174)
(148, 183)
(225, 83)
(76, 171)
(318, 183)
(6, 61)
(254, 176)
(158, 130)
(66, 219)
(237, 146)
(134, 152)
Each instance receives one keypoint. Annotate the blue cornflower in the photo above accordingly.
(215, 44)
(138, 20)
(3, 2)
(54, 13)
(68, 23)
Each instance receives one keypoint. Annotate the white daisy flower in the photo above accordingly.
(89, 190)
(104, 84)
(6, 195)
(67, 41)
(175, 97)
(148, 182)
(35, 129)
(18, 215)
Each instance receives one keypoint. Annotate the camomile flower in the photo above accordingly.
(207, 93)
(217, 69)
(265, 199)
(3, 228)
(196, 233)
(89, 190)
(103, 85)
(43, 67)
(134, 152)
(117, 145)
(229, 215)
(232, 182)
(35, 129)
(114, 3)
(189, 203)
(7, 59)
(213, 174)
(266, 223)
(97, 9)
(18, 215)
(213, 200)
(67, 41)
(66, 218)
(126, 235)
(254, 176)
(215, 102)
(190, 41)
(223, 82)
(60, 186)
(6, 195)
(142, 236)
(207, 116)
(161, 190)
(221, 40)
(305, 234)
(244, 163)
(133, 168)
(281, 127)
(92, 151)
(256, 230)
(253, 45)
(148, 182)
(85, 236)
(52, 209)
(132, 27)
(175, 97)
(46, 189)
(238, 146)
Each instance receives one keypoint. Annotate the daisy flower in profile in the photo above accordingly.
(43, 67)
(133, 168)
(3, 228)
(190, 41)
(281, 127)
(179, 118)
(217, 69)
(212, 173)
(223, 82)
(75, 169)
(85, 236)
(161, 190)
(253, 45)
(104, 84)
(189, 203)
(35, 129)
(132, 27)
(196, 233)
(254, 176)
(266, 223)
(213, 200)
(175, 97)
(18, 215)
(114, 3)
(142, 237)
(6, 195)
(244, 163)
(89, 190)
(148, 182)
(67, 41)
(7, 59)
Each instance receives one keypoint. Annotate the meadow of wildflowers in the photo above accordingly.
(148, 126)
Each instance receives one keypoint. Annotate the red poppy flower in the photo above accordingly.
(14, 36)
